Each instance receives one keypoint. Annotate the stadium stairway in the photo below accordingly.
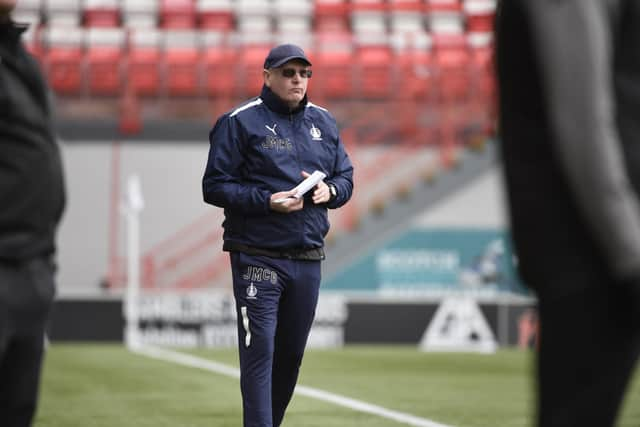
(381, 225)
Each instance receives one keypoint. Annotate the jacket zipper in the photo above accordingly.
(302, 214)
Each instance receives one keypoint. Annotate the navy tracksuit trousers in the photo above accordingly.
(276, 301)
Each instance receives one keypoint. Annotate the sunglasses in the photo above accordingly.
(290, 72)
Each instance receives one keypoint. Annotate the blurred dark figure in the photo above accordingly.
(569, 82)
(31, 204)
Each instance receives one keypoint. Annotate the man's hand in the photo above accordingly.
(321, 194)
(284, 202)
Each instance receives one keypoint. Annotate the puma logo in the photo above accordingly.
(273, 129)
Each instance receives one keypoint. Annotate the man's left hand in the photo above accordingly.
(321, 194)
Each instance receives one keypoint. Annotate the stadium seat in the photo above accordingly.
(253, 24)
(445, 16)
(417, 6)
(177, 14)
(443, 5)
(480, 14)
(368, 21)
(334, 61)
(406, 21)
(406, 16)
(143, 74)
(105, 52)
(62, 12)
(219, 65)
(413, 86)
(293, 16)
(413, 59)
(253, 7)
(101, 13)
(63, 59)
(451, 65)
(374, 68)
(139, 13)
(481, 64)
(180, 60)
(216, 15)
(331, 16)
(250, 65)
(253, 16)
(368, 5)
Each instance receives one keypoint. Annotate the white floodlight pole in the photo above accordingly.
(132, 207)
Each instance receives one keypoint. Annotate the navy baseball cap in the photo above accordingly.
(284, 53)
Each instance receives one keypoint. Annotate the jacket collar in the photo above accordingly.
(274, 103)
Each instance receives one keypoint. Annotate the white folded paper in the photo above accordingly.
(306, 185)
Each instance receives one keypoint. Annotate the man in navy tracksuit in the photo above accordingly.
(259, 152)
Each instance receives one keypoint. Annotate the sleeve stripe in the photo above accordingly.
(246, 106)
(311, 104)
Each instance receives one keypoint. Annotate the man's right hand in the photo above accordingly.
(284, 202)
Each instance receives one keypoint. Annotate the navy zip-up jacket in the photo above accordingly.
(261, 148)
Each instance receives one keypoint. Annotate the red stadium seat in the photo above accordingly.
(181, 59)
(181, 71)
(104, 70)
(216, 15)
(451, 65)
(414, 79)
(101, 13)
(64, 69)
(443, 5)
(481, 63)
(101, 18)
(217, 20)
(64, 59)
(374, 71)
(219, 61)
(368, 5)
(334, 62)
(331, 15)
(105, 53)
(416, 6)
(480, 15)
(336, 70)
(250, 65)
(143, 73)
(177, 14)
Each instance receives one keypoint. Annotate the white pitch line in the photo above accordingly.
(336, 399)
(185, 360)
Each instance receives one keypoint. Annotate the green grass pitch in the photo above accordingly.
(93, 385)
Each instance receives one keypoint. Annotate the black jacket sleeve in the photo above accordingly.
(574, 44)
